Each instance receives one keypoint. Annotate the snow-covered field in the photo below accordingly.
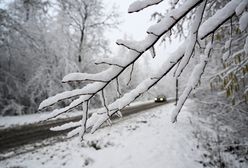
(144, 140)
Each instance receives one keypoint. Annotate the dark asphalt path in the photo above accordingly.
(27, 134)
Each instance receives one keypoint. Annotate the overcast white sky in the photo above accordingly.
(135, 25)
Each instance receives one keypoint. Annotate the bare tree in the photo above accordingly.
(88, 20)
(200, 37)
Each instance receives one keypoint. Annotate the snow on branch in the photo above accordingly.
(93, 88)
(136, 49)
(241, 8)
(243, 21)
(120, 62)
(193, 81)
(140, 5)
(173, 17)
(72, 105)
(137, 46)
(96, 120)
(86, 91)
(192, 39)
(220, 17)
(246, 45)
(103, 76)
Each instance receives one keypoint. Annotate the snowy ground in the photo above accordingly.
(144, 140)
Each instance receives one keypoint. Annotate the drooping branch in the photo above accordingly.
(100, 117)
(192, 39)
(133, 56)
(193, 81)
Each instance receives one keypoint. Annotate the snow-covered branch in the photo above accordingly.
(113, 72)
(192, 39)
(218, 19)
(140, 5)
(199, 31)
(193, 81)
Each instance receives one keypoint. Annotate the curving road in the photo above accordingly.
(27, 134)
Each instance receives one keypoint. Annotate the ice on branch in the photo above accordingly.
(243, 21)
(172, 18)
(240, 9)
(139, 5)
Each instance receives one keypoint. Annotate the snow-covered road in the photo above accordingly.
(144, 140)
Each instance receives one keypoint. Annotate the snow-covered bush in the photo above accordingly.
(200, 41)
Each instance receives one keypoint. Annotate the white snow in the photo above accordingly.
(139, 46)
(85, 92)
(95, 121)
(145, 140)
(243, 21)
(101, 76)
(239, 10)
(246, 45)
(219, 17)
(117, 61)
(228, 44)
(226, 55)
(171, 18)
(191, 40)
(192, 82)
(73, 104)
(139, 5)
(66, 126)
(152, 52)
